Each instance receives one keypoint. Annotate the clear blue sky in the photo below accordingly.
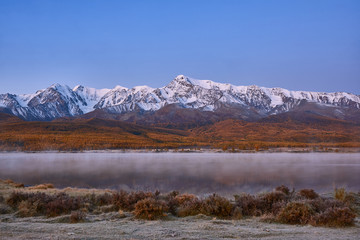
(298, 45)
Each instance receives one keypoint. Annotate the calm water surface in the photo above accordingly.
(198, 173)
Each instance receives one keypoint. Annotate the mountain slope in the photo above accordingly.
(243, 102)
(290, 130)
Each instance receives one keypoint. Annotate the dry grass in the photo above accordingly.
(340, 194)
(41, 186)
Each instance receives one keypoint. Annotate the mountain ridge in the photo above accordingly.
(252, 102)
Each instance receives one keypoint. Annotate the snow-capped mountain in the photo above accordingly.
(205, 95)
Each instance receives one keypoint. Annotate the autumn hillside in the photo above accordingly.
(85, 134)
(284, 130)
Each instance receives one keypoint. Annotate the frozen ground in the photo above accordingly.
(113, 226)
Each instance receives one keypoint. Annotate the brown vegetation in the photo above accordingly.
(77, 216)
(186, 205)
(280, 205)
(150, 209)
(42, 186)
(228, 135)
(334, 217)
(217, 206)
(295, 213)
(308, 193)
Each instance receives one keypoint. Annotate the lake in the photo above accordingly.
(199, 173)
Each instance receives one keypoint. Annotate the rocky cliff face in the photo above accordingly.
(204, 95)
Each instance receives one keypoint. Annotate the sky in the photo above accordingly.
(311, 45)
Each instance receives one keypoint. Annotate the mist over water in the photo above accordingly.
(198, 173)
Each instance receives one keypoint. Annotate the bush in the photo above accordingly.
(217, 206)
(334, 217)
(308, 193)
(77, 216)
(321, 205)
(27, 209)
(270, 200)
(15, 198)
(283, 189)
(31, 204)
(181, 199)
(150, 209)
(295, 213)
(237, 213)
(4, 209)
(249, 205)
(276, 208)
(183, 205)
(126, 201)
(188, 206)
(62, 204)
(104, 199)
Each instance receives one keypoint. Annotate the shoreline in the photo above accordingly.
(203, 150)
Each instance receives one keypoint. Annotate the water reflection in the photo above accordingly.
(187, 172)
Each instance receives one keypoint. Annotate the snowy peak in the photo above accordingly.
(206, 95)
(89, 97)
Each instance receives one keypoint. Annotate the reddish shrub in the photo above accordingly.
(283, 189)
(237, 213)
(321, 205)
(26, 209)
(181, 199)
(276, 208)
(190, 207)
(104, 199)
(334, 217)
(295, 213)
(308, 193)
(4, 209)
(150, 209)
(271, 199)
(62, 204)
(77, 216)
(183, 205)
(15, 198)
(173, 194)
(126, 201)
(215, 205)
(249, 205)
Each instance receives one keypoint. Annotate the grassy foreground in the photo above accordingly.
(281, 205)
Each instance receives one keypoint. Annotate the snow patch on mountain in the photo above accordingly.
(90, 96)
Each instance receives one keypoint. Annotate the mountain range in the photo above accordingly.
(183, 100)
